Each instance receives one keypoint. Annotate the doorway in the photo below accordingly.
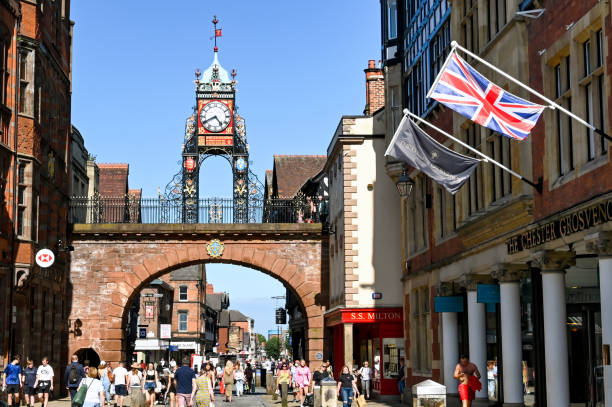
(585, 358)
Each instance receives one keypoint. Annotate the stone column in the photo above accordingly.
(348, 345)
(509, 276)
(477, 332)
(601, 243)
(450, 350)
(553, 265)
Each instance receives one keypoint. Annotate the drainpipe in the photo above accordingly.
(12, 311)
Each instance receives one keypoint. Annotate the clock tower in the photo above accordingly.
(214, 128)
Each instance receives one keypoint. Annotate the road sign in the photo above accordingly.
(45, 258)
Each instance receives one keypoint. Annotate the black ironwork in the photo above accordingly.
(134, 209)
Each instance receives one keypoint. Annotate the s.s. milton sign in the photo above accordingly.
(371, 315)
(565, 225)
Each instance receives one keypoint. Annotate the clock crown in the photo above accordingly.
(215, 72)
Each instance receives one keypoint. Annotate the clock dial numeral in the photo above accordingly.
(215, 116)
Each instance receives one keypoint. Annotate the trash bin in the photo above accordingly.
(329, 393)
(428, 394)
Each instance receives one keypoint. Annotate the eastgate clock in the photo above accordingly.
(215, 116)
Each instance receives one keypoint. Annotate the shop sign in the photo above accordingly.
(452, 303)
(184, 345)
(565, 225)
(488, 293)
(371, 315)
(165, 331)
(142, 333)
(319, 356)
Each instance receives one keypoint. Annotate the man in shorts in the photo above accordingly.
(29, 379)
(120, 374)
(44, 381)
(12, 380)
(468, 375)
(184, 380)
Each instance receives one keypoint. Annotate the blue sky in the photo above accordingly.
(300, 68)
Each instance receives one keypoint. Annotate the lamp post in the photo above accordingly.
(404, 185)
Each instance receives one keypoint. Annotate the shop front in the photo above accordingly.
(369, 334)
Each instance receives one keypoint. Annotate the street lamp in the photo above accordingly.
(404, 185)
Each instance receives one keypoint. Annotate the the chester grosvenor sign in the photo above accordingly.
(565, 225)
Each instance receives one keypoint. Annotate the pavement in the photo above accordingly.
(270, 402)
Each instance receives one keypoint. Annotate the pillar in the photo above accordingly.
(348, 345)
(450, 350)
(553, 265)
(477, 331)
(601, 244)
(509, 276)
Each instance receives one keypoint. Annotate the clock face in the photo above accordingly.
(215, 116)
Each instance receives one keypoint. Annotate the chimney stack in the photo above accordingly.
(209, 289)
(375, 88)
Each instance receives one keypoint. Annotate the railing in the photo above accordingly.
(134, 209)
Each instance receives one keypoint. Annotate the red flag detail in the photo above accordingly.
(218, 32)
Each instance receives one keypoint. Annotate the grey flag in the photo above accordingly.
(415, 147)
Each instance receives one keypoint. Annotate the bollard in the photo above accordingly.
(270, 384)
(258, 378)
(316, 391)
(329, 393)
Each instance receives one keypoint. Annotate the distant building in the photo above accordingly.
(215, 303)
(236, 333)
(154, 321)
(189, 310)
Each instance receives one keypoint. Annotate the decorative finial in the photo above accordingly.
(234, 73)
(217, 31)
(198, 73)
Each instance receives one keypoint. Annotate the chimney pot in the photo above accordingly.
(371, 64)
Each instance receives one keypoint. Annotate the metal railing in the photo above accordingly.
(135, 209)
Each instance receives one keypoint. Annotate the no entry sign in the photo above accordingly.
(45, 258)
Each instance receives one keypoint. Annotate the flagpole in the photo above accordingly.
(552, 104)
(537, 186)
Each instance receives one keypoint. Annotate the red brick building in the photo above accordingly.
(154, 316)
(35, 61)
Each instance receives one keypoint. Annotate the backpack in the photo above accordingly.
(111, 376)
(73, 375)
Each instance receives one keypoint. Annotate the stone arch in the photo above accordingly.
(295, 262)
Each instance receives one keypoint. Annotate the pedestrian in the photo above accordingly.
(293, 387)
(320, 374)
(366, 379)
(302, 380)
(44, 381)
(104, 373)
(401, 383)
(468, 375)
(29, 380)
(239, 379)
(134, 386)
(172, 385)
(491, 378)
(73, 375)
(120, 373)
(228, 380)
(184, 379)
(282, 383)
(347, 387)
(143, 366)
(329, 368)
(219, 373)
(94, 397)
(150, 383)
(248, 378)
(203, 392)
(12, 380)
(160, 366)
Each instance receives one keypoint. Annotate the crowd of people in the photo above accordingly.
(175, 384)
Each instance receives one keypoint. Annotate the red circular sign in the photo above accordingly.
(190, 164)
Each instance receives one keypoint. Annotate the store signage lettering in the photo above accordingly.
(564, 226)
(370, 316)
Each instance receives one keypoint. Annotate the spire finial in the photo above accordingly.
(217, 31)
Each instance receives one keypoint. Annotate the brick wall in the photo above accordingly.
(113, 179)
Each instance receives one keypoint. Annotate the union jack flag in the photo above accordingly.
(463, 89)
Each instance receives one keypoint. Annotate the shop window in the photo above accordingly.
(376, 353)
(393, 352)
(182, 321)
(420, 352)
(182, 293)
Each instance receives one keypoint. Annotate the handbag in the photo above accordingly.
(79, 397)
(361, 401)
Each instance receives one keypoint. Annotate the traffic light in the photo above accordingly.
(281, 316)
